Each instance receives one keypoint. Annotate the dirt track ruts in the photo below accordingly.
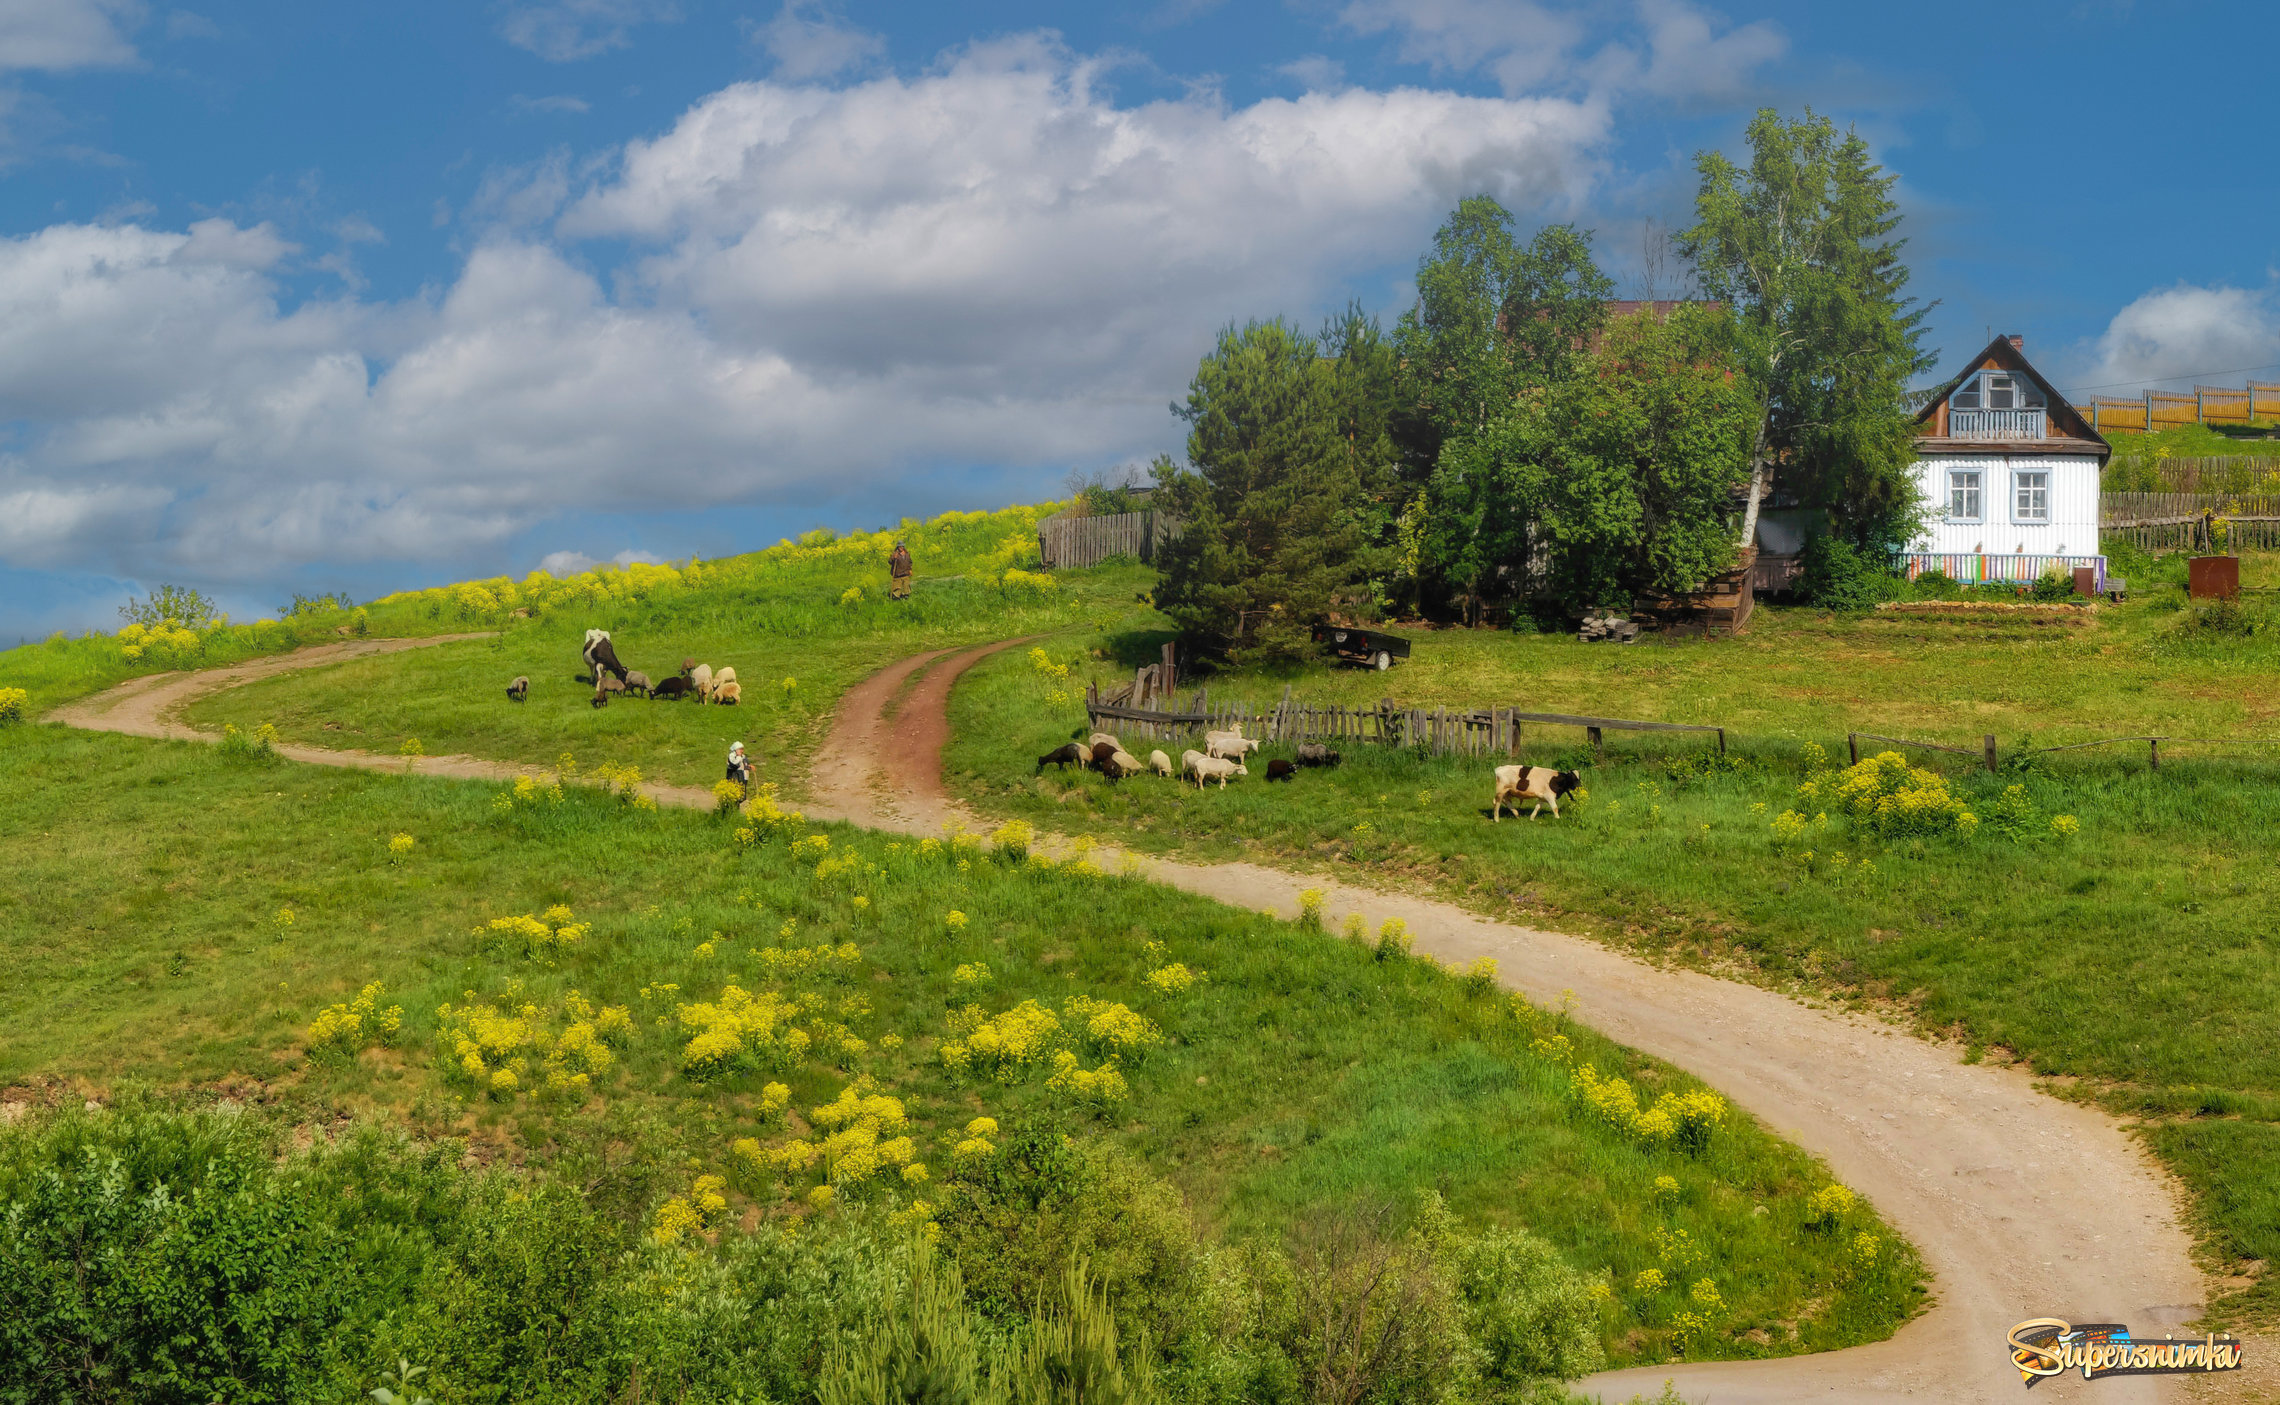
(2022, 1205)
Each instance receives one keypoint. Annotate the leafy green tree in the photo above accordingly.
(1616, 480)
(178, 605)
(1277, 520)
(1798, 246)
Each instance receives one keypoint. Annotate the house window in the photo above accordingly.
(2033, 494)
(1963, 495)
(1996, 390)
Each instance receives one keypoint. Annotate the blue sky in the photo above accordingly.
(358, 296)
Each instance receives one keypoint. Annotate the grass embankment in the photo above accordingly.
(146, 941)
(799, 623)
(2135, 953)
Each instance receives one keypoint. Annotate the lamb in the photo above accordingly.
(1541, 784)
(1063, 757)
(603, 687)
(1122, 764)
(671, 689)
(700, 678)
(1215, 768)
(1280, 770)
(637, 682)
(519, 689)
(1228, 745)
(727, 694)
(1316, 754)
(600, 654)
(1161, 764)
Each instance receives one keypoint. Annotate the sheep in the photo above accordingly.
(1122, 764)
(600, 654)
(1063, 757)
(1316, 754)
(1098, 737)
(726, 675)
(1228, 745)
(1101, 751)
(637, 682)
(1541, 784)
(727, 694)
(603, 687)
(1204, 768)
(519, 689)
(671, 689)
(1161, 764)
(700, 678)
(1280, 770)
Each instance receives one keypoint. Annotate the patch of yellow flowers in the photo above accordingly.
(1172, 980)
(1686, 1119)
(499, 1046)
(345, 1028)
(12, 705)
(1005, 1047)
(739, 1027)
(539, 938)
(528, 794)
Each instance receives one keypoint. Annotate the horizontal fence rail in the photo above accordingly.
(2191, 521)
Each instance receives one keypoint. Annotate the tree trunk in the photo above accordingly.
(1757, 486)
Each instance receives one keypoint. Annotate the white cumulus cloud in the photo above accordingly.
(2177, 334)
(563, 31)
(66, 34)
(1664, 48)
(991, 264)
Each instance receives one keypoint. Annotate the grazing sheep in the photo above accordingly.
(1098, 737)
(724, 675)
(1228, 745)
(1316, 754)
(672, 689)
(1213, 768)
(700, 678)
(600, 654)
(603, 687)
(1101, 751)
(727, 694)
(1541, 784)
(1280, 770)
(1161, 764)
(519, 689)
(1122, 764)
(1063, 757)
(637, 682)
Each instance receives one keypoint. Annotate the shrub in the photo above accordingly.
(2219, 619)
(12, 706)
(1836, 575)
(1887, 797)
(1530, 1315)
(2052, 587)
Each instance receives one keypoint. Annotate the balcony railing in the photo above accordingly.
(1996, 424)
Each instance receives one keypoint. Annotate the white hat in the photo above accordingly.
(733, 750)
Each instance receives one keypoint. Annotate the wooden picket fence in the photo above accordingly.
(1438, 731)
(1073, 543)
(2204, 404)
(2191, 521)
(2199, 473)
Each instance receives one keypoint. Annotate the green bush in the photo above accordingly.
(1836, 575)
(2052, 587)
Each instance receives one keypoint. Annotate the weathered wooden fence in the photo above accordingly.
(1072, 543)
(1495, 731)
(2199, 473)
(2205, 404)
(2191, 521)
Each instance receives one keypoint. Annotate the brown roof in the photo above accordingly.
(2074, 435)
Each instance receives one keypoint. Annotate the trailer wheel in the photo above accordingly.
(1382, 662)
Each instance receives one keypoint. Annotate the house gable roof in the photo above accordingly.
(2002, 354)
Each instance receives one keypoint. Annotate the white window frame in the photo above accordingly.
(1977, 491)
(1974, 393)
(2020, 488)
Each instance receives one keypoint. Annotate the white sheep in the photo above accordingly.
(701, 679)
(1228, 745)
(1214, 768)
(1098, 737)
(1123, 764)
(727, 694)
(1161, 764)
(726, 675)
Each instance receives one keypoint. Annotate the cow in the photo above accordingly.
(601, 655)
(1541, 784)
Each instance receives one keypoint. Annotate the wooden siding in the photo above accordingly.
(2070, 530)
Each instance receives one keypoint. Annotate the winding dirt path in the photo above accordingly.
(2022, 1205)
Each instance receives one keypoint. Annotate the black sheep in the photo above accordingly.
(1101, 752)
(1063, 757)
(1280, 770)
(668, 689)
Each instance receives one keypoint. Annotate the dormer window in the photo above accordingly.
(1996, 405)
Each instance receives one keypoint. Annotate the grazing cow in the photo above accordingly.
(1161, 764)
(672, 689)
(601, 655)
(637, 682)
(1316, 754)
(1211, 768)
(1063, 757)
(1541, 784)
(1280, 770)
(519, 689)
(1228, 745)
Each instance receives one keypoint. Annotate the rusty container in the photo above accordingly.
(2212, 577)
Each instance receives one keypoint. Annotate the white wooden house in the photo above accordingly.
(2010, 471)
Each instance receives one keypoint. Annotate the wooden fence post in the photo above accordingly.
(1721, 741)
(1598, 745)
(2154, 755)
(1852, 746)
(1989, 744)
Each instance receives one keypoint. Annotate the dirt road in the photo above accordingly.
(2022, 1205)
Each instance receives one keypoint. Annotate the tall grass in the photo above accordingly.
(146, 941)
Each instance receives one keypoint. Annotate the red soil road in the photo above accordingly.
(2021, 1205)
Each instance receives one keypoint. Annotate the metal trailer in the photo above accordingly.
(1368, 647)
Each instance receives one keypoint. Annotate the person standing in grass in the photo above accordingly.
(740, 768)
(898, 566)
